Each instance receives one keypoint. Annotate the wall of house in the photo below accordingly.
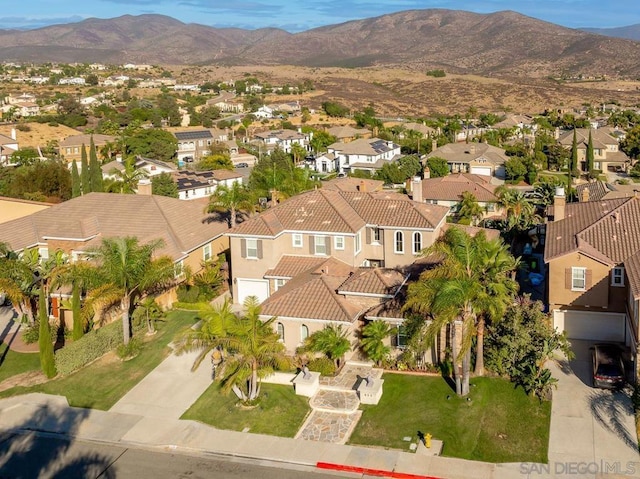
(195, 258)
(292, 331)
(393, 259)
(12, 209)
(596, 296)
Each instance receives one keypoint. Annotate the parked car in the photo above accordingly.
(608, 369)
(242, 165)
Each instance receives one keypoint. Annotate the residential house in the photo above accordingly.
(474, 158)
(8, 146)
(606, 153)
(592, 254)
(424, 130)
(522, 125)
(599, 190)
(194, 144)
(345, 134)
(71, 147)
(189, 235)
(202, 184)
(150, 166)
(26, 109)
(263, 113)
(448, 190)
(283, 139)
(318, 292)
(363, 154)
(370, 229)
(348, 183)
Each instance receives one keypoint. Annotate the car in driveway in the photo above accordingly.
(242, 165)
(608, 369)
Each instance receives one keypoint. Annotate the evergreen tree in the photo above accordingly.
(85, 175)
(47, 361)
(590, 156)
(95, 172)
(573, 162)
(76, 185)
(78, 326)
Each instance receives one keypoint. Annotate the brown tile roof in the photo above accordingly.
(451, 187)
(352, 184)
(599, 137)
(592, 191)
(467, 152)
(373, 281)
(290, 266)
(632, 269)
(364, 146)
(389, 310)
(491, 234)
(342, 212)
(312, 295)
(181, 224)
(347, 132)
(608, 230)
(77, 140)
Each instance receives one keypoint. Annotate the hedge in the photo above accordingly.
(91, 346)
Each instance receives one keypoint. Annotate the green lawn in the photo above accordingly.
(280, 412)
(16, 363)
(101, 384)
(499, 424)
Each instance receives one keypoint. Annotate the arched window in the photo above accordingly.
(280, 327)
(304, 333)
(399, 242)
(417, 242)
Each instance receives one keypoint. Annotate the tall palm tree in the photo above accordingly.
(470, 209)
(298, 152)
(332, 341)
(234, 198)
(17, 282)
(128, 270)
(372, 342)
(520, 212)
(255, 351)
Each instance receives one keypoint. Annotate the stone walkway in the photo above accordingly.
(335, 412)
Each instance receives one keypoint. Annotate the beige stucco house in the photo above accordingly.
(475, 158)
(606, 153)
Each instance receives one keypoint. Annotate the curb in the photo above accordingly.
(370, 472)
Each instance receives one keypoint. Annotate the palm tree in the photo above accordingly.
(372, 342)
(205, 337)
(470, 209)
(255, 351)
(127, 179)
(234, 198)
(332, 341)
(128, 270)
(298, 152)
(17, 282)
(520, 212)
(470, 285)
(151, 311)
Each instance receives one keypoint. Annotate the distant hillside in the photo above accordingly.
(631, 32)
(502, 43)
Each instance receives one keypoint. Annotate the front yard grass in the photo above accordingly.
(101, 384)
(279, 413)
(14, 363)
(499, 424)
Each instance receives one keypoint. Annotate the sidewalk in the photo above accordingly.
(11, 332)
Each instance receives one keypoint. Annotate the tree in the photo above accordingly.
(45, 344)
(233, 199)
(25, 156)
(150, 311)
(76, 186)
(590, 158)
(152, 143)
(276, 172)
(320, 140)
(631, 143)
(573, 164)
(438, 167)
(128, 270)
(298, 152)
(470, 210)
(332, 341)
(372, 342)
(85, 174)
(127, 179)
(17, 281)
(334, 109)
(520, 212)
(95, 171)
(164, 185)
(514, 169)
(215, 162)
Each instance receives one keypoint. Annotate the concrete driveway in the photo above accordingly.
(592, 427)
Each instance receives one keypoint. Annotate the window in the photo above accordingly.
(399, 242)
(338, 242)
(280, 283)
(358, 243)
(206, 252)
(401, 338)
(252, 248)
(376, 235)
(304, 333)
(43, 253)
(617, 276)
(578, 279)
(179, 268)
(320, 245)
(280, 328)
(296, 240)
(417, 242)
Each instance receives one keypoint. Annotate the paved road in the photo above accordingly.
(31, 456)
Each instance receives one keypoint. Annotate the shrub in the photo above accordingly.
(91, 346)
(23, 127)
(188, 294)
(31, 334)
(131, 350)
(323, 365)
(436, 73)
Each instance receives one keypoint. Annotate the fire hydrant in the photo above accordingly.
(427, 440)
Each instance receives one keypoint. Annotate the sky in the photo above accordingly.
(299, 15)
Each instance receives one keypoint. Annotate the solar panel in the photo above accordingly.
(193, 135)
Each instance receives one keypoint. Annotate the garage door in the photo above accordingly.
(481, 170)
(253, 287)
(590, 326)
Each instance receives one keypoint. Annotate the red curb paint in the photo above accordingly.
(370, 472)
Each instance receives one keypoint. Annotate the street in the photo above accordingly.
(26, 456)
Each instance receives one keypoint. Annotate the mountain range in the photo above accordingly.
(501, 43)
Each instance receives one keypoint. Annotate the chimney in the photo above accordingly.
(585, 195)
(427, 173)
(416, 189)
(144, 187)
(559, 202)
(362, 187)
(13, 134)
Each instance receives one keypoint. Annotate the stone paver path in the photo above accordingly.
(350, 377)
(330, 427)
(335, 401)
